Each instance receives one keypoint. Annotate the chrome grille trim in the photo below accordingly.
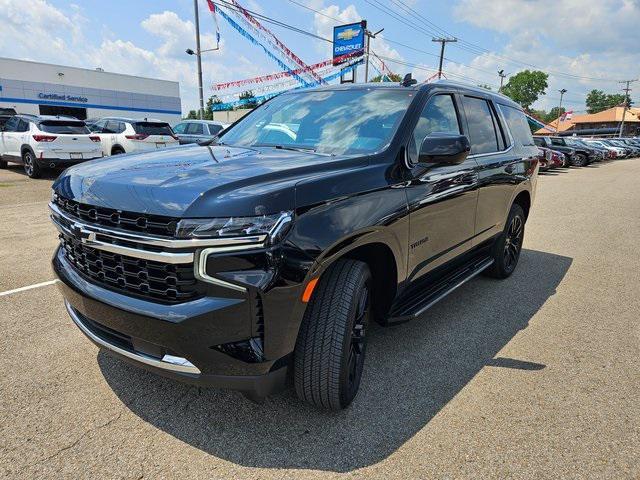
(170, 243)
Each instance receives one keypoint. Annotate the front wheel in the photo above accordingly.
(330, 350)
(507, 247)
(31, 167)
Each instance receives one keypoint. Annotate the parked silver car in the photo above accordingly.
(193, 131)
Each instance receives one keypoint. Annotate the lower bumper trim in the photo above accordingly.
(168, 362)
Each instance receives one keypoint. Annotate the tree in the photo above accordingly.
(213, 100)
(597, 100)
(248, 95)
(192, 115)
(554, 113)
(392, 77)
(526, 87)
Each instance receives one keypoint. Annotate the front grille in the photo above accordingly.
(150, 279)
(109, 217)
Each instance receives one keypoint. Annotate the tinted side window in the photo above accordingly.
(110, 127)
(438, 116)
(482, 132)
(518, 125)
(538, 141)
(180, 128)
(195, 129)
(23, 126)
(214, 129)
(11, 125)
(557, 141)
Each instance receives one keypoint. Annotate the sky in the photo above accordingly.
(581, 44)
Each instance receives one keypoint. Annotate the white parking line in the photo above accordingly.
(28, 287)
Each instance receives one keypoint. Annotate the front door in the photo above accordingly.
(442, 198)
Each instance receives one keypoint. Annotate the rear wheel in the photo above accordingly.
(579, 160)
(117, 151)
(330, 351)
(31, 167)
(3, 164)
(507, 247)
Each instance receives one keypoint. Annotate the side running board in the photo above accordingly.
(416, 304)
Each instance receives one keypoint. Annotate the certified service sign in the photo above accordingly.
(348, 39)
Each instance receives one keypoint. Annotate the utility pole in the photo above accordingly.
(369, 36)
(627, 99)
(442, 41)
(562, 92)
(198, 54)
(502, 76)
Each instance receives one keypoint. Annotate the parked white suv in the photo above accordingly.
(126, 135)
(45, 141)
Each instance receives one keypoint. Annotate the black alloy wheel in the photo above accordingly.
(507, 247)
(513, 243)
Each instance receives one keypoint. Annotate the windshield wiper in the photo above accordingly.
(294, 149)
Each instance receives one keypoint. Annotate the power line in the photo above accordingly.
(473, 48)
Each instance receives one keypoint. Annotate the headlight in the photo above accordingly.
(275, 226)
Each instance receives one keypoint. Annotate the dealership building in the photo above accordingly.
(46, 89)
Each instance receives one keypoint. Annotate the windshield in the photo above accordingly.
(64, 127)
(330, 122)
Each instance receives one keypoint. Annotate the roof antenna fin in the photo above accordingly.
(407, 81)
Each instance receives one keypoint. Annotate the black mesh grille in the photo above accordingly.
(146, 278)
(109, 217)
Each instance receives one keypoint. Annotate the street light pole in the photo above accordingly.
(562, 92)
(199, 59)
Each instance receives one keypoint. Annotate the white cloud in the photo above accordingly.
(36, 30)
(585, 38)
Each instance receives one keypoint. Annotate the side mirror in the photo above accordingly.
(444, 148)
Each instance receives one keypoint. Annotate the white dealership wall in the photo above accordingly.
(26, 85)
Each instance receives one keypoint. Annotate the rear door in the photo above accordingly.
(6, 135)
(493, 149)
(16, 138)
(442, 198)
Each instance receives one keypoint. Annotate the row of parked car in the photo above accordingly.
(39, 142)
(578, 151)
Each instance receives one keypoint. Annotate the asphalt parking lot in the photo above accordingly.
(537, 376)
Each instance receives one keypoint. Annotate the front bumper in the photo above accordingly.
(178, 341)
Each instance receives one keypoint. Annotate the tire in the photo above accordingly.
(330, 350)
(117, 151)
(507, 247)
(3, 164)
(579, 160)
(31, 167)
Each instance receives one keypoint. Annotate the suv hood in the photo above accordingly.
(196, 181)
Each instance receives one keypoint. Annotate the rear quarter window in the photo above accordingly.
(518, 125)
(153, 128)
(64, 127)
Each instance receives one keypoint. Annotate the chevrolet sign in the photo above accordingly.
(348, 40)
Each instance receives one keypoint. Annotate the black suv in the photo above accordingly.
(264, 254)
